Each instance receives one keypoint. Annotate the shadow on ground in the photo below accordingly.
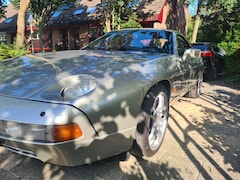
(217, 126)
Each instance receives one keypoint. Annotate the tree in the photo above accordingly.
(2, 8)
(223, 27)
(117, 12)
(215, 27)
(23, 6)
(43, 10)
(106, 8)
(132, 22)
(208, 8)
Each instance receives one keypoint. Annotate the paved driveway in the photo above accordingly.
(202, 142)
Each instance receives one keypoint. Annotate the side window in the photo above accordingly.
(182, 45)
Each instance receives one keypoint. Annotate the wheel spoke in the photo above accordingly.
(150, 131)
(158, 121)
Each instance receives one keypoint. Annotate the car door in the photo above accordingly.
(178, 81)
(187, 67)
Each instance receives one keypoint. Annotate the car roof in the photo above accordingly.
(202, 45)
(148, 29)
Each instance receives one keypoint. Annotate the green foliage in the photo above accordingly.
(234, 80)
(43, 10)
(16, 3)
(231, 45)
(2, 8)
(10, 51)
(228, 5)
(190, 29)
(117, 11)
(131, 23)
(219, 24)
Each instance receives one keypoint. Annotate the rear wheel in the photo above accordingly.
(152, 123)
(196, 91)
(212, 74)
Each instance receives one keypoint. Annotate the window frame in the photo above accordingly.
(181, 48)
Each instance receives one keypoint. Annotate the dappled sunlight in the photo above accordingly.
(50, 171)
(133, 168)
(208, 131)
(201, 143)
(147, 169)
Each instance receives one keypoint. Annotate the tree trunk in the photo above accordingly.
(107, 16)
(108, 24)
(119, 18)
(24, 4)
(195, 29)
(113, 18)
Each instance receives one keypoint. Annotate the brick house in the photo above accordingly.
(8, 25)
(75, 27)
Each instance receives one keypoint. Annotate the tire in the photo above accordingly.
(152, 122)
(196, 91)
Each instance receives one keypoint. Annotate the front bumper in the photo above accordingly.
(72, 153)
(18, 113)
(83, 150)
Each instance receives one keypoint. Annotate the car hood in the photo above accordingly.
(29, 75)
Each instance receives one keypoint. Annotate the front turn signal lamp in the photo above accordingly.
(61, 133)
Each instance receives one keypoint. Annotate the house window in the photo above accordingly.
(34, 35)
(56, 14)
(47, 39)
(94, 33)
(9, 20)
(79, 11)
(91, 10)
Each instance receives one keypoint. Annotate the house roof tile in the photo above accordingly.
(150, 9)
(9, 24)
(90, 12)
(79, 13)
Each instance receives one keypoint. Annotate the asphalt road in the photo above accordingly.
(202, 142)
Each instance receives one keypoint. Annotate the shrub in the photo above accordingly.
(232, 46)
(11, 50)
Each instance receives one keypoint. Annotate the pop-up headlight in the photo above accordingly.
(77, 86)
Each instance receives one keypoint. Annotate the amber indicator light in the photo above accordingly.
(66, 132)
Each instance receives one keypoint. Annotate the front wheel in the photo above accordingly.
(152, 122)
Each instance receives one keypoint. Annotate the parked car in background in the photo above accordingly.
(76, 107)
(213, 58)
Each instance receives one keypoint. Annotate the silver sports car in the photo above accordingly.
(76, 107)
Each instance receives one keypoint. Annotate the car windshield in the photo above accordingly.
(134, 40)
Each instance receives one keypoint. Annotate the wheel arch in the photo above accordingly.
(141, 145)
(164, 83)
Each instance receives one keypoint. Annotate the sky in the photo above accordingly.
(192, 7)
